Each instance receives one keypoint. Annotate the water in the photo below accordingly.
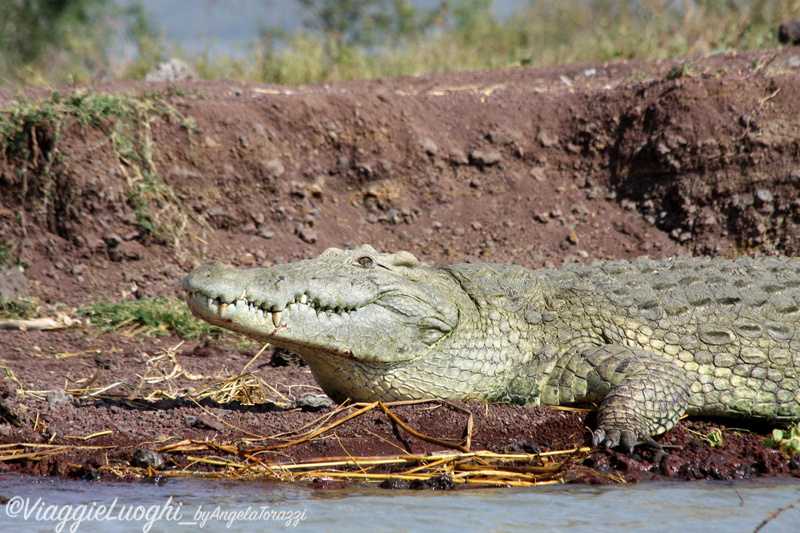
(229, 26)
(211, 505)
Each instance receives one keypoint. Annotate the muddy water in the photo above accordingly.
(203, 505)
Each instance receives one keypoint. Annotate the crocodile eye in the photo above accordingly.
(365, 261)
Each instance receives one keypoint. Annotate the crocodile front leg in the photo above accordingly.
(639, 393)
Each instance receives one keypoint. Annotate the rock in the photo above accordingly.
(763, 196)
(112, 240)
(126, 251)
(764, 201)
(145, 458)
(57, 396)
(789, 32)
(274, 168)
(498, 137)
(13, 285)
(573, 237)
(538, 174)
(457, 157)
(541, 217)
(546, 139)
(428, 146)
(8, 416)
(484, 158)
(307, 235)
(171, 71)
(313, 402)
(394, 484)
(434, 483)
(522, 446)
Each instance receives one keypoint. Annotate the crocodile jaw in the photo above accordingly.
(331, 307)
(311, 333)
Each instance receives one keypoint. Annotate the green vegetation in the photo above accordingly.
(152, 318)
(30, 136)
(786, 440)
(162, 316)
(22, 309)
(43, 41)
(47, 41)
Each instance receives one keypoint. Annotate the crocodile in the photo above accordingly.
(644, 342)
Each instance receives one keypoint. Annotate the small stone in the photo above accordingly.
(127, 251)
(579, 210)
(497, 137)
(538, 174)
(274, 168)
(313, 402)
(434, 483)
(546, 139)
(485, 158)
(477, 226)
(457, 157)
(394, 484)
(112, 240)
(763, 196)
(58, 396)
(13, 284)
(572, 237)
(428, 146)
(307, 235)
(144, 458)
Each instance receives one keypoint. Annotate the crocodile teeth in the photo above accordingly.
(222, 308)
(304, 299)
(276, 318)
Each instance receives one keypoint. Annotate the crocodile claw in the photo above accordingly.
(625, 439)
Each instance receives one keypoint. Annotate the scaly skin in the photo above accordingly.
(645, 341)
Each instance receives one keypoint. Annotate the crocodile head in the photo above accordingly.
(341, 310)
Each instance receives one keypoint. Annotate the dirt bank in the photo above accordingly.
(528, 166)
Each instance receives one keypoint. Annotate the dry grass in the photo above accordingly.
(265, 456)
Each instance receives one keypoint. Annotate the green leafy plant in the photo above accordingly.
(786, 440)
(21, 309)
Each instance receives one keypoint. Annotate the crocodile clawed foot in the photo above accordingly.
(625, 439)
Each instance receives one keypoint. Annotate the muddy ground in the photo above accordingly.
(528, 166)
